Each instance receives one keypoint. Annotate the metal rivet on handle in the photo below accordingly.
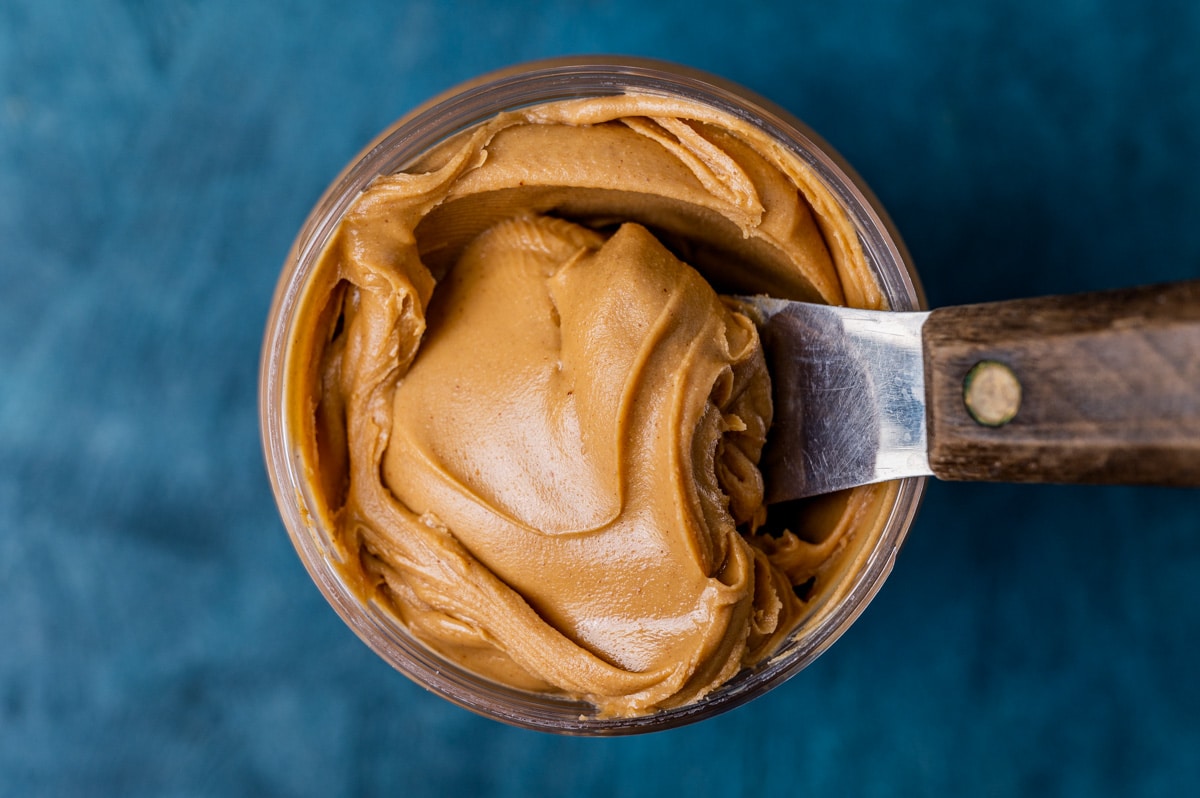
(992, 393)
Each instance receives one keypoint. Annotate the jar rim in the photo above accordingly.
(414, 133)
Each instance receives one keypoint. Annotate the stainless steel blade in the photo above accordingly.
(849, 393)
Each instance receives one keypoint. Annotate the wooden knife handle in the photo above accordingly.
(1092, 388)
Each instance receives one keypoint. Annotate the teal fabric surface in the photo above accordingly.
(158, 635)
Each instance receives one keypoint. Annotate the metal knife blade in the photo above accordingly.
(849, 393)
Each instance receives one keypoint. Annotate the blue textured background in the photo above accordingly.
(158, 635)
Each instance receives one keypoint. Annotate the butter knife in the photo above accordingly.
(1089, 388)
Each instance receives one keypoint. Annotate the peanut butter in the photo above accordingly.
(532, 425)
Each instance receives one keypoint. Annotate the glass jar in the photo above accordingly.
(864, 568)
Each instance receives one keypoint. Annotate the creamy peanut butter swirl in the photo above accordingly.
(533, 428)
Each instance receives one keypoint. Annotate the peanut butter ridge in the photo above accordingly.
(533, 428)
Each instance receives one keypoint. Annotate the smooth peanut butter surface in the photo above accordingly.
(532, 425)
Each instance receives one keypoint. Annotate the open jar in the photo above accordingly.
(859, 531)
